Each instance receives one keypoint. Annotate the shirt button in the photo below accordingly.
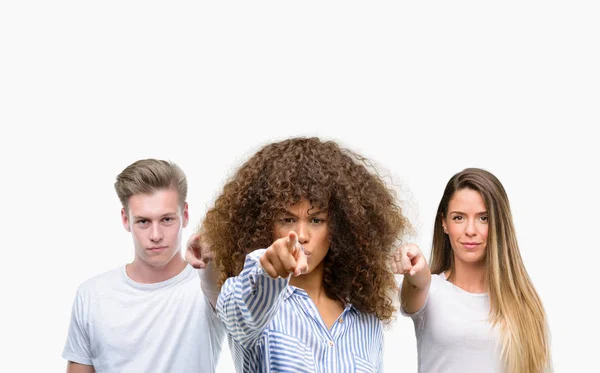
(341, 320)
(331, 343)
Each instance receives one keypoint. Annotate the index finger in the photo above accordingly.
(193, 242)
(301, 264)
(292, 242)
(192, 254)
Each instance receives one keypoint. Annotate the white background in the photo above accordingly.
(423, 89)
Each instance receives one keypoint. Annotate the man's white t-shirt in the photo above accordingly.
(119, 325)
(453, 331)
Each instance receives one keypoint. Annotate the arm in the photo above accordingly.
(199, 256)
(248, 302)
(380, 365)
(77, 350)
(410, 262)
(79, 368)
(208, 281)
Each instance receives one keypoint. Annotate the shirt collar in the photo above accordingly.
(291, 290)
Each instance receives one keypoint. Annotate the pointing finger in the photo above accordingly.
(302, 263)
(292, 242)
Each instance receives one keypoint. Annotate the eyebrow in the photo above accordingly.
(462, 213)
(140, 217)
(318, 212)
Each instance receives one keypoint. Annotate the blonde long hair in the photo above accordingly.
(515, 307)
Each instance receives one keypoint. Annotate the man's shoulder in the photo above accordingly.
(102, 281)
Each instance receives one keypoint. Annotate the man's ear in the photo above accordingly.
(185, 215)
(125, 220)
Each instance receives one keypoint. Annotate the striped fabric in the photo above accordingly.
(275, 327)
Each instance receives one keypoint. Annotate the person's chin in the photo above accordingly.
(472, 257)
(159, 260)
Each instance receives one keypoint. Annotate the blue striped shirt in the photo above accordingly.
(275, 327)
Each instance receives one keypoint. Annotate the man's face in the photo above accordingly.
(155, 221)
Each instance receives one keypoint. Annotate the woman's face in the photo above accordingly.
(466, 224)
(310, 224)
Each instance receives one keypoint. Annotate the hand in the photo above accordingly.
(283, 257)
(408, 260)
(197, 253)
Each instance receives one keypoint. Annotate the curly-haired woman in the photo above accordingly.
(301, 237)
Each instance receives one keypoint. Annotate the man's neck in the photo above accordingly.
(140, 271)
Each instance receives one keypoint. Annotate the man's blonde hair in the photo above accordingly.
(147, 176)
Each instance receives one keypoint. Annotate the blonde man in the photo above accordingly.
(148, 315)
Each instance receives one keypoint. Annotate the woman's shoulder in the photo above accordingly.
(437, 280)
